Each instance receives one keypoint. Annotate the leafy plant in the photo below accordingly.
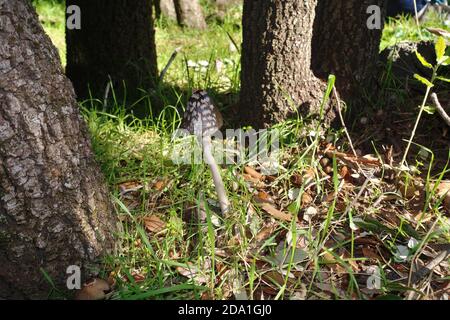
(441, 60)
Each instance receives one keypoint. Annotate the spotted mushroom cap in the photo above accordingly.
(201, 116)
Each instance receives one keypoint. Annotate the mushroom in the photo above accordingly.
(202, 119)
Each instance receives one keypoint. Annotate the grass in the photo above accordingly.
(345, 230)
(405, 29)
(213, 48)
(52, 17)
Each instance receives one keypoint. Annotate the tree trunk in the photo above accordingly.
(276, 61)
(54, 205)
(116, 39)
(166, 8)
(344, 46)
(285, 65)
(190, 14)
(222, 5)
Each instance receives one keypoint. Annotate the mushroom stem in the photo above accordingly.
(217, 179)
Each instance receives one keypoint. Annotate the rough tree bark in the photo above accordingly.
(54, 205)
(279, 63)
(116, 39)
(276, 60)
(190, 14)
(344, 46)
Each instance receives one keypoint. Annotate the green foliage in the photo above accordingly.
(441, 59)
(51, 15)
(405, 29)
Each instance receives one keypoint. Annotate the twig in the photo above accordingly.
(171, 59)
(421, 14)
(355, 200)
(419, 251)
(422, 272)
(440, 110)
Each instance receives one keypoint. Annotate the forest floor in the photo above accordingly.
(330, 223)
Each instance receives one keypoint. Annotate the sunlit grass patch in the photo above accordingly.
(405, 28)
(52, 16)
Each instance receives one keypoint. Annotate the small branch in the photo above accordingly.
(422, 272)
(439, 108)
(421, 14)
(171, 59)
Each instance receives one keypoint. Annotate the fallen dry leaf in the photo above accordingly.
(309, 174)
(368, 160)
(129, 186)
(263, 197)
(159, 185)
(369, 253)
(254, 181)
(112, 278)
(328, 257)
(344, 172)
(270, 179)
(272, 277)
(275, 212)
(93, 290)
(331, 289)
(154, 224)
(296, 180)
(252, 172)
(306, 199)
(329, 197)
(408, 191)
(443, 190)
(138, 276)
(439, 32)
(264, 289)
(195, 273)
(265, 232)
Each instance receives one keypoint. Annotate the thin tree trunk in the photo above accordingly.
(190, 14)
(166, 8)
(222, 5)
(116, 39)
(54, 205)
(276, 78)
